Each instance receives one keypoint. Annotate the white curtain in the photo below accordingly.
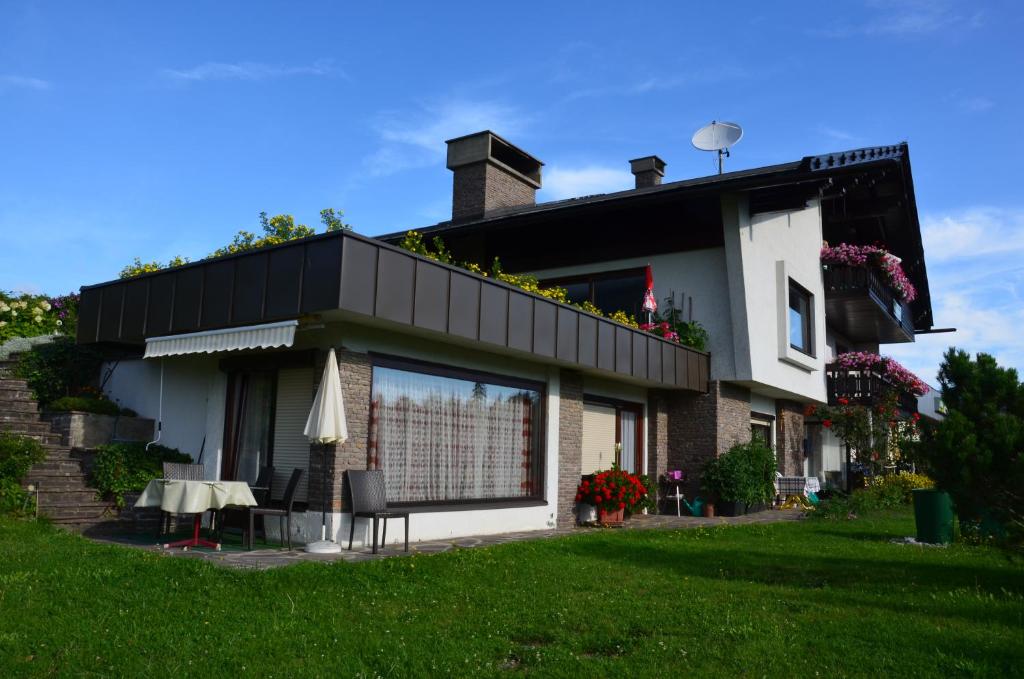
(627, 428)
(439, 438)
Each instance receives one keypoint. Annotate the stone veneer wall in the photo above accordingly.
(789, 437)
(356, 382)
(701, 426)
(657, 433)
(570, 444)
(482, 187)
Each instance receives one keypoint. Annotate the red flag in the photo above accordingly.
(650, 304)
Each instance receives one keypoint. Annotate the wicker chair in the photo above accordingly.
(178, 471)
(238, 517)
(369, 500)
(284, 513)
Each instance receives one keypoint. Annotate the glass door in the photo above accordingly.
(248, 426)
(630, 438)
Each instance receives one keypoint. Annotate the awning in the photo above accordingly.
(264, 336)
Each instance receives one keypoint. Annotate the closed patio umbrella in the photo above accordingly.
(650, 305)
(326, 424)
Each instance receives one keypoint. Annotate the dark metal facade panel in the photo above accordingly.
(396, 278)
(520, 321)
(623, 350)
(654, 360)
(430, 310)
(321, 275)
(284, 282)
(640, 357)
(545, 320)
(218, 290)
(464, 305)
(161, 301)
(566, 344)
(358, 276)
(605, 345)
(355, 274)
(188, 294)
(494, 315)
(668, 364)
(587, 350)
(250, 286)
(133, 311)
(110, 314)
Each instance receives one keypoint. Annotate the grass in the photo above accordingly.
(794, 599)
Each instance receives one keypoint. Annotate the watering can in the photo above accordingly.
(696, 507)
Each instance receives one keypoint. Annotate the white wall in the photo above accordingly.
(193, 401)
(762, 253)
(700, 274)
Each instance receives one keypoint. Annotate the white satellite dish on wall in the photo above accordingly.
(718, 136)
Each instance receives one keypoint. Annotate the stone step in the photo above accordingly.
(12, 392)
(60, 484)
(13, 383)
(50, 497)
(64, 466)
(21, 405)
(15, 416)
(36, 427)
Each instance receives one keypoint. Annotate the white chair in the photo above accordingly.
(678, 496)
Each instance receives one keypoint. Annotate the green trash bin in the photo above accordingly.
(933, 513)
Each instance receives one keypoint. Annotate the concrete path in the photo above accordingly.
(261, 559)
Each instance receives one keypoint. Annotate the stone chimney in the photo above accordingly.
(490, 174)
(648, 171)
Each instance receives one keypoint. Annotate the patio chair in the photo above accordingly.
(369, 501)
(238, 517)
(284, 513)
(178, 471)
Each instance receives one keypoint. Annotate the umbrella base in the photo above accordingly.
(323, 547)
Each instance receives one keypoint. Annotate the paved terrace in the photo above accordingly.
(273, 557)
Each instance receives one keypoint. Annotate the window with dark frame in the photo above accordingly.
(609, 291)
(448, 436)
(801, 319)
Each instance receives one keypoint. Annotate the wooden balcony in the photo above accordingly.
(864, 387)
(861, 305)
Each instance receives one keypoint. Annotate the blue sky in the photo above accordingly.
(137, 129)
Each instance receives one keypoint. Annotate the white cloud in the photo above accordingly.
(973, 233)
(976, 280)
(838, 135)
(905, 18)
(23, 82)
(976, 104)
(569, 182)
(246, 70)
(416, 139)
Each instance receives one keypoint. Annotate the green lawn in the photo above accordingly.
(787, 600)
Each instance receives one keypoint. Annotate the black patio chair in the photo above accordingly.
(238, 517)
(369, 501)
(178, 471)
(284, 512)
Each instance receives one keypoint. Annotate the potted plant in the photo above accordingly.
(740, 480)
(611, 492)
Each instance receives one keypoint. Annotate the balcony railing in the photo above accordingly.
(863, 304)
(864, 387)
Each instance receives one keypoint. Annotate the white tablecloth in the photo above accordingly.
(195, 497)
(796, 485)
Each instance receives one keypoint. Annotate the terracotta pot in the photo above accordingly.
(709, 510)
(611, 518)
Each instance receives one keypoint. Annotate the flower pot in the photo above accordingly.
(611, 518)
(733, 508)
(709, 510)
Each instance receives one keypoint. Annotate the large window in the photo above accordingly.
(609, 291)
(801, 320)
(443, 436)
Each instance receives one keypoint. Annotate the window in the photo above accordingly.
(761, 429)
(801, 321)
(444, 436)
(609, 291)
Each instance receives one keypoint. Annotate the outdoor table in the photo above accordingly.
(797, 485)
(195, 497)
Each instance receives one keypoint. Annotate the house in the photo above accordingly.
(484, 403)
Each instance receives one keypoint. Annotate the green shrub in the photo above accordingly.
(61, 368)
(124, 467)
(17, 455)
(84, 404)
(745, 473)
(880, 493)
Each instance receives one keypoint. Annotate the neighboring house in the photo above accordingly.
(484, 404)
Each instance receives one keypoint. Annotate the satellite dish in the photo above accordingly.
(718, 136)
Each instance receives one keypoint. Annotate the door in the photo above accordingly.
(612, 435)
(248, 426)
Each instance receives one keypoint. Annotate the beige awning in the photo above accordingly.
(264, 336)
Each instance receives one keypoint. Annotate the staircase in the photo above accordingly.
(64, 497)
